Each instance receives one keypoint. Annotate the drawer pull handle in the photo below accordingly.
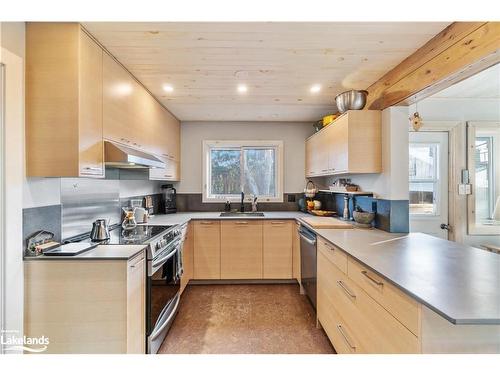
(346, 289)
(328, 246)
(206, 222)
(93, 168)
(376, 282)
(242, 222)
(277, 222)
(341, 330)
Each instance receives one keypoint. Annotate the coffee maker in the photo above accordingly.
(169, 197)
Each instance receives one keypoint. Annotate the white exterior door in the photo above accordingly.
(428, 182)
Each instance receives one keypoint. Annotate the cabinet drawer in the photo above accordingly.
(338, 331)
(333, 254)
(402, 307)
(370, 324)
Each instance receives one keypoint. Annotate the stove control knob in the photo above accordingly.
(158, 246)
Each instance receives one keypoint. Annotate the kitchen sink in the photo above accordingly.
(242, 214)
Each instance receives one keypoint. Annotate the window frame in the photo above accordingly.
(475, 130)
(208, 145)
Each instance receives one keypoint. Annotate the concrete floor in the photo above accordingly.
(259, 319)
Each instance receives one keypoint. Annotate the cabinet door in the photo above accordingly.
(169, 173)
(278, 249)
(207, 249)
(296, 252)
(338, 155)
(187, 258)
(136, 304)
(91, 147)
(118, 88)
(241, 249)
(310, 157)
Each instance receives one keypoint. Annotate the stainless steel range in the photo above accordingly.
(164, 270)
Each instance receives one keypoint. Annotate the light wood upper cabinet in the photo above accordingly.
(133, 117)
(63, 102)
(171, 172)
(118, 89)
(350, 144)
(206, 249)
(241, 249)
(278, 249)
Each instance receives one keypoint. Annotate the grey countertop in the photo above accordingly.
(184, 217)
(460, 283)
(100, 252)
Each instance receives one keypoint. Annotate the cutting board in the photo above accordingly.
(327, 223)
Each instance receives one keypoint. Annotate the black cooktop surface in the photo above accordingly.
(141, 234)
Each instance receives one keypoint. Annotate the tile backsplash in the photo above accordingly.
(390, 215)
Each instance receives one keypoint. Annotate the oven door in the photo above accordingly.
(163, 286)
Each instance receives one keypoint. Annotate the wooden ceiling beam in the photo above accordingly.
(453, 50)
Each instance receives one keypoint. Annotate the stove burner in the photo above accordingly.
(139, 235)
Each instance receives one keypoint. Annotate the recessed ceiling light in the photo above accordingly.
(315, 88)
(168, 88)
(242, 89)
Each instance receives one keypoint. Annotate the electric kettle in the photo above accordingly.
(100, 231)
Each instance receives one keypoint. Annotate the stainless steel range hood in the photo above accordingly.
(119, 156)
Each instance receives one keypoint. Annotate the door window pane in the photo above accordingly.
(422, 197)
(483, 168)
(225, 172)
(423, 161)
(423, 175)
(259, 177)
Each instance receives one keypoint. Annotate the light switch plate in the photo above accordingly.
(464, 189)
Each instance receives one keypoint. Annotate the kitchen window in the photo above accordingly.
(252, 167)
(483, 141)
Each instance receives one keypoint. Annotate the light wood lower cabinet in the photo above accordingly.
(206, 249)
(371, 328)
(241, 249)
(86, 306)
(278, 249)
(187, 257)
(136, 305)
(401, 306)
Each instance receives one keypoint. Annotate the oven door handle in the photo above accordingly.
(157, 331)
(159, 262)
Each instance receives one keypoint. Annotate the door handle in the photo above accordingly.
(445, 227)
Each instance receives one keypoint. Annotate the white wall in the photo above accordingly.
(293, 136)
(12, 55)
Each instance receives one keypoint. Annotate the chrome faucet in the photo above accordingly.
(242, 207)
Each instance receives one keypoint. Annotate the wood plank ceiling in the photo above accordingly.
(278, 62)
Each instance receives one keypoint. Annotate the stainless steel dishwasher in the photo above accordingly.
(308, 265)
